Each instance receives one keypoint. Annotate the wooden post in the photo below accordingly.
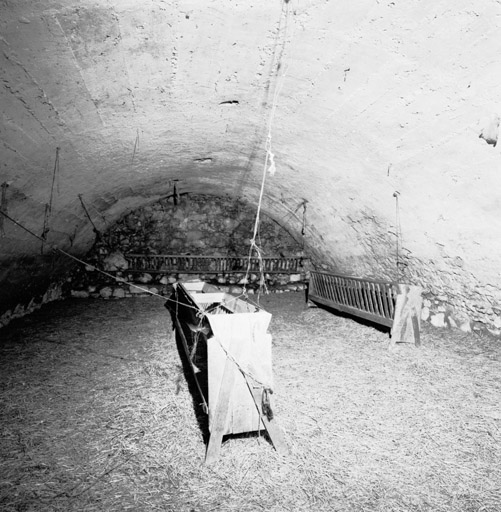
(219, 423)
(407, 319)
(270, 423)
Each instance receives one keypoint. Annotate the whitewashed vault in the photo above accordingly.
(382, 117)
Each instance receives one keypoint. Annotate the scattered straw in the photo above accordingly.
(97, 415)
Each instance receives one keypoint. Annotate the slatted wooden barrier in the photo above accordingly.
(163, 263)
(393, 305)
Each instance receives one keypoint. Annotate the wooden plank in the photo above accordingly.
(389, 301)
(271, 425)
(254, 344)
(406, 326)
(221, 407)
(321, 287)
(337, 291)
(352, 311)
(351, 291)
(329, 288)
(341, 288)
(343, 276)
(193, 370)
(383, 297)
(349, 301)
(368, 302)
(209, 264)
(372, 299)
(377, 292)
(358, 302)
(312, 285)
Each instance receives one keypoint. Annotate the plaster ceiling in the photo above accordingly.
(372, 111)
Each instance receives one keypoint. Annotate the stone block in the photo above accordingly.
(119, 293)
(145, 278)
(79, 294)
(106, 292)
(282, 280)
(450, 321)
(188, 277)
(438, 320)
(295, 278)
(115, 261)
(194, 236)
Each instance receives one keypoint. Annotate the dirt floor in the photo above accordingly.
(96, 415)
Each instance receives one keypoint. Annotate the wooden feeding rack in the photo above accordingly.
(393, 305)
(238, 361)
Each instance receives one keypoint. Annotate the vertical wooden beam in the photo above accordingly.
(219, 422)
(406, 322)
(270, 424)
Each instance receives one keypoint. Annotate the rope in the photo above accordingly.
(245, 372)
(3, 207)
(55, 174)
(111, 276)
(87, 214)
(48, 206)
(271, 168)
(20, 225)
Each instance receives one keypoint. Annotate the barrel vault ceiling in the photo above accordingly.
(373, 122)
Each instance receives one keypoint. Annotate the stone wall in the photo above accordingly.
(195, 225)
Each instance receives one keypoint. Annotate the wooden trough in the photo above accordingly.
(393, 305)
(238, 365)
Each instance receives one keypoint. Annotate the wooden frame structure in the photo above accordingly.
(238, 362)
(162, 263)
(393, 305)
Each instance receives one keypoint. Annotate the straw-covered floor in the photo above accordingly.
(96, 414)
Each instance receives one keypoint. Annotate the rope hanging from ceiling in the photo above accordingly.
(96, 231)
(3, 207)
(269, 162)
(48, 206)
